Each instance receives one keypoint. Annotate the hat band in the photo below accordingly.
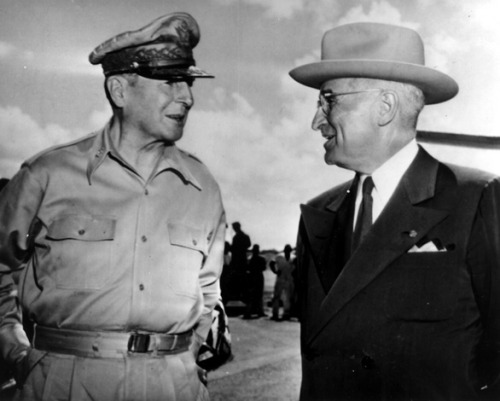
(137, 67)
(164, 71)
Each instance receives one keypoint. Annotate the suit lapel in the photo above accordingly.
(325, 229)
(398, 228)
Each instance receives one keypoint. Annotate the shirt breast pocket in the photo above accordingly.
(423, 287)
(189, 249)
(81, 246)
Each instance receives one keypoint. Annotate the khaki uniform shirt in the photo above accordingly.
(284, 269)
(102, 249)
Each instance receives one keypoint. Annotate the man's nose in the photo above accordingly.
(183, 94)
(319, 119)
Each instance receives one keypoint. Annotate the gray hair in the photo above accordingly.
(412, 98)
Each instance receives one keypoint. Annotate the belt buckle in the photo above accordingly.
(138, 342)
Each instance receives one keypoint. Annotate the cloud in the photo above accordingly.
(252, 165)
(378, 11)
(324, 12)
(98, 118)
(8, 50)
(279, 8)
(22, 137)
(275, 8)
(441, 51)
(466, 48)
(67, 63)
(484, 15)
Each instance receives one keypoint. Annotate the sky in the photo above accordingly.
(251, 125)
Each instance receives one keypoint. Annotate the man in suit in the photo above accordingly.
(399, 269)
(239, 262)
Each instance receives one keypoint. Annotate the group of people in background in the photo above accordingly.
(243, 278)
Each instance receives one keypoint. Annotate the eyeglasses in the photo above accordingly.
(329, 99)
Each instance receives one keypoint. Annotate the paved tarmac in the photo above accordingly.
(266, 364)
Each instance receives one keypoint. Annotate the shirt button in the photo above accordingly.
(146, 192)
(81, 231)
(144, 238)
(195, 242)
(141, 287)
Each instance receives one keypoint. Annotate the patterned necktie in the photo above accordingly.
(364, 220)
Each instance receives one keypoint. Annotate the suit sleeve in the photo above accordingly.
(484, 263)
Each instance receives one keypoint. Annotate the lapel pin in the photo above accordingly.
(412, 234)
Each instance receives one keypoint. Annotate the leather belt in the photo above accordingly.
(108, 343)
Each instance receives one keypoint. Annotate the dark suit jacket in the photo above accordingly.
(396, 325)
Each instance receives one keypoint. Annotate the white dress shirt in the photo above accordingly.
(386, 178)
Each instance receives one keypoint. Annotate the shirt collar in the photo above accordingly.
(173, 158)
(386, 178)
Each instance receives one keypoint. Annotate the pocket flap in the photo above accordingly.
(187, 237)
(83, 228)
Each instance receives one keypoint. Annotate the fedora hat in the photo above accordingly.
(378, 51)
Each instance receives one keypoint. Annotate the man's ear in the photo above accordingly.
(389, 105)
(116, 86)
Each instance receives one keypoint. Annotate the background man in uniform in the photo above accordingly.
(120, 237)
(284, 286)
(407, 308)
